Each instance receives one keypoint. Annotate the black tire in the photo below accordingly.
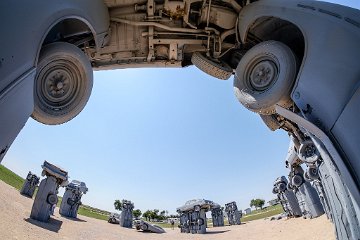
(144, 227)
(218, 70)
(313, 173)
(308, 152)
(264, 77)
(297, 180)
(197, 208)
(63, 83)
(275, 190)
(282, 187)
(52, 199)
(306, 177)
(70, 201)
(200, 222)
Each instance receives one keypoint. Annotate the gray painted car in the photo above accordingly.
(294, 64)
(114, 218)
(148, 227)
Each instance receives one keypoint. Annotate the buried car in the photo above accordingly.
(114, 218)
(294, 64)
(148, 227)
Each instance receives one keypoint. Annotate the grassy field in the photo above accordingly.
(264, 213)
(11, 178)
(165, 225)
(256, 214)
(16, 181)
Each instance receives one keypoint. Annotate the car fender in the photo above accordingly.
(330, 32)
(25, 24)
(23, 28)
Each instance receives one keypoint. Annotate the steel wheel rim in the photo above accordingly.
(59, 85)
(262, 73)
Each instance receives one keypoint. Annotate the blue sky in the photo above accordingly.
(159, 137)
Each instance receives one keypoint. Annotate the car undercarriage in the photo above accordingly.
(294, 63)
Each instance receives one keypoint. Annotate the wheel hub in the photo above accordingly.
(57, 85)
(263, 74)
(310, 151)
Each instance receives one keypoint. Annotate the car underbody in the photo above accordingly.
(272, 47)
(167, 33)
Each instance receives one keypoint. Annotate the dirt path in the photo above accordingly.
(15, 224)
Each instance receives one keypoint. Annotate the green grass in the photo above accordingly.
(89, 213)
(164, 225)
(11, 178)
(264, 213)
(16, 181)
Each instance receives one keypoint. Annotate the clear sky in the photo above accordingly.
(159, 137)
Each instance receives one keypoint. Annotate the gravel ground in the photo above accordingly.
(16, 224)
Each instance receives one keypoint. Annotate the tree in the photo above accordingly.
(261, 203)
(154, 214)
(136, 213)
(147, 215)
(257, 203)
(118, 205)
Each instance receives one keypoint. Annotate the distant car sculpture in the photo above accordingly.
(46, 196)
(148, 227)
(217, 216)
(114, 218)
(286, 197)
(317, 184)
(309, 200)
(308, 197)
(294, 63)
(233, 213)
(71, 200)
(30, 184)
(193, 215)
(126, 215)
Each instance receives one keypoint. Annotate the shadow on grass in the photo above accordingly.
(53, 225)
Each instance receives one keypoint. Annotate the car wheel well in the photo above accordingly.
(71, 30)
(273, 28)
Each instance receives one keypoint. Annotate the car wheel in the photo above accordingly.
(282, 187)
(308, 152)
(197, 208)
(312, 173)
(144, 227)
(306, 177)
(297, 180)
(264, 77)
(219, 70)
(52, 199)
(70, 201)
(63, 83)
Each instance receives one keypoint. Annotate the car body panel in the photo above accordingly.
(22, 35)
(329, 76)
